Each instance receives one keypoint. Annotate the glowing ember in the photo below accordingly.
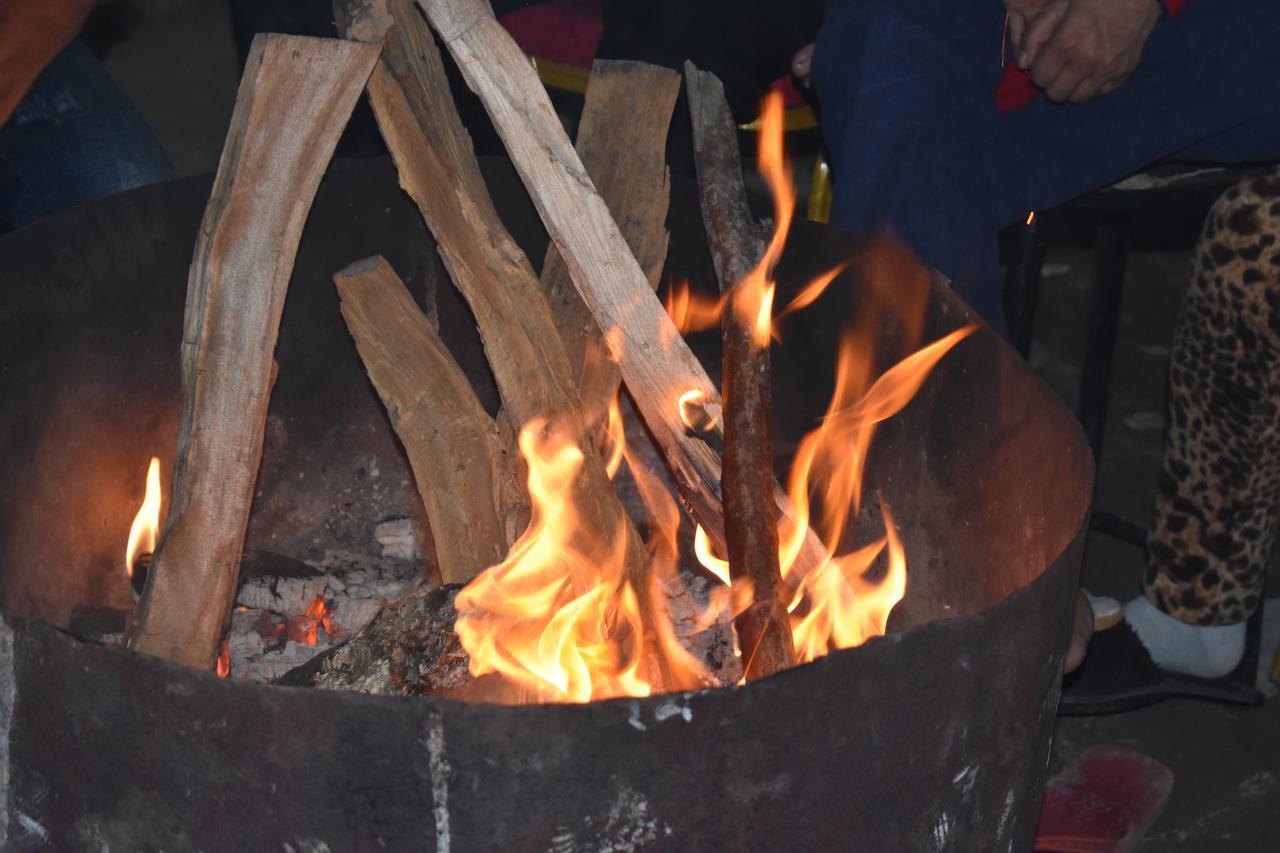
(224, 661)
(146, 523)
(305, 628)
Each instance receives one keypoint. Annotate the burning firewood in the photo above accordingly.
(622, 140)
(294, 100)
(738, 251)
(656, 364)
(463, 472)
(433, 153)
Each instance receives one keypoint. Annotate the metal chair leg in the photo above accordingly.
(1104, 327)
(1022, 286)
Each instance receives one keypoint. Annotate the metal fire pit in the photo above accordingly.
(932, 738)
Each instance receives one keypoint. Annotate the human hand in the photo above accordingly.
(1023, 12)
(1076, 50)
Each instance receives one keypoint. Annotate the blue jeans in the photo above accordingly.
(74, 137)
(908, 114)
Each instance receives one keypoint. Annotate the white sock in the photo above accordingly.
(1206, 651)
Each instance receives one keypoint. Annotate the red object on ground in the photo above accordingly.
(1102, 803)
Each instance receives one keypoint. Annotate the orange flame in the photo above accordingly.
(146, 523)
(224, 661)
(753, 295)
(562, 618)
(691, 312)
(561, 624)
(559, 619)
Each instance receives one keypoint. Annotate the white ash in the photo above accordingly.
(354, 589)
(687, 598)
(397, 539)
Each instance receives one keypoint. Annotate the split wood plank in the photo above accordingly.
(462, 470)
(437, 166)
(656, 364)
(737, 245)
(294, 99)
(622, 140)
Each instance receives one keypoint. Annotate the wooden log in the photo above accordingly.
(463, 472)
(656, 364)
(737, 246)
(294, 100)
(622, 140)
(437, 166)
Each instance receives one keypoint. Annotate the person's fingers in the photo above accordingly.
(1017, 26)
(1086, 91)
(1059, 89)
(1048, 66)
(1037, 34)
(802, 63)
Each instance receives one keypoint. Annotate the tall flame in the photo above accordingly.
(753, 295)
(146, 523)
(566, 616)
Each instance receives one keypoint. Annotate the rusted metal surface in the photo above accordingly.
(932, 738)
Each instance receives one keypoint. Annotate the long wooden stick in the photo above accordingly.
(622, 140)
(294, 100)
(432, 151)
(657, 365)
(463, 472)
(737, 245)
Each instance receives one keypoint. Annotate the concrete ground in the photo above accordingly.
(179, 66)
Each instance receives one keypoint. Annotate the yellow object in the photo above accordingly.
(557, 75)
(820, 191)
(795, 118)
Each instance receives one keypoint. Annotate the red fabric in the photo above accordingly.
(1015, 89)
(564, 31)
(790, 92)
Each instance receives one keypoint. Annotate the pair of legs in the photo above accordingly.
(908, 114)
(74, 137)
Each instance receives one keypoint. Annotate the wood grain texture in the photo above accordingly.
(294, 100)
(737, 246)
(461, 467)
(656, 364)
(438, 169)
(622, 140)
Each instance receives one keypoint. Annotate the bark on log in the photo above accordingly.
(750, 514)
(433, 153)
(622, 140)
(463, 472)
(656, 364)
(294, 100)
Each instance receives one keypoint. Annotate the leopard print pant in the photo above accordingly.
(1218, 499)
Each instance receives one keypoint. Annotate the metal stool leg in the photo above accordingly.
(1022, 286)
(1104, 327)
